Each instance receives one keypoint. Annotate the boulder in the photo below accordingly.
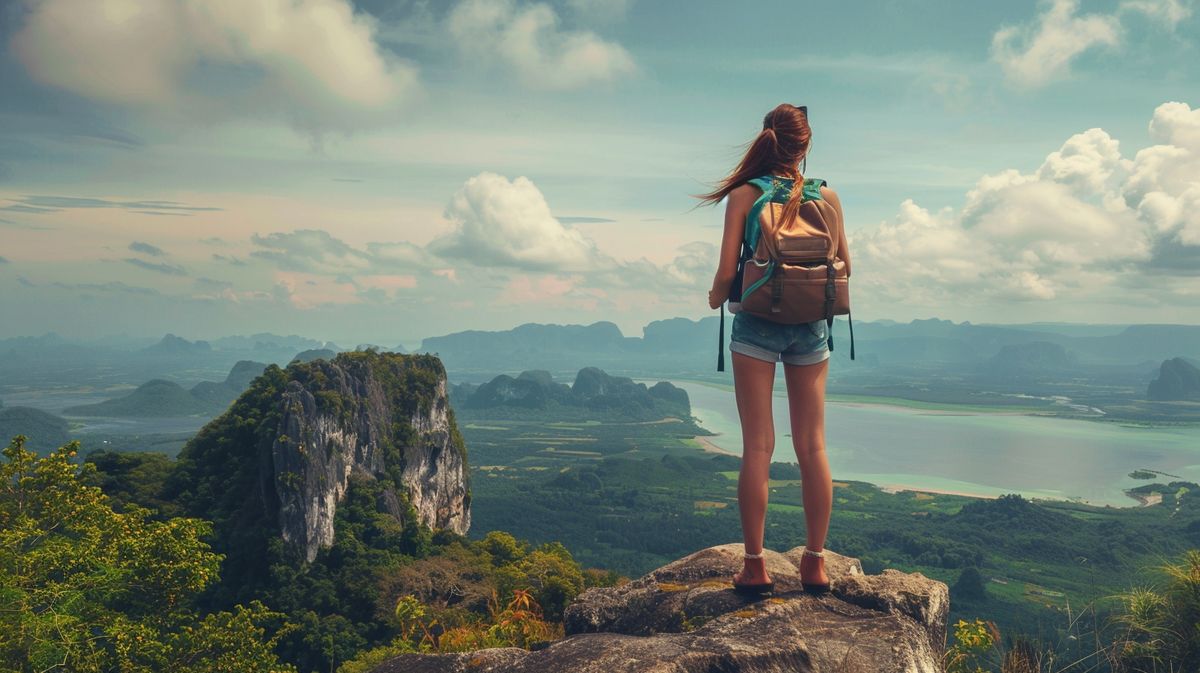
(685, 618)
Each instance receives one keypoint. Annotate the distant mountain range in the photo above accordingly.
(593, 391)
(922, 359)
(53, 360)
(679, 345)
(173, 345)
(159, 397)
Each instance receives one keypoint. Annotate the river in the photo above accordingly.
(976, 453)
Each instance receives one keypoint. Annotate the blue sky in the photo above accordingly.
(382, 171)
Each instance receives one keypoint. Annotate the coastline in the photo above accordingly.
(707, 446)
(900, 488)
(940, 408)
(956, 409)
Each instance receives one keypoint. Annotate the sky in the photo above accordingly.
(379, 171)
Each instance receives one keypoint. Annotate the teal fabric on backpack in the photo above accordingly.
(778, 190)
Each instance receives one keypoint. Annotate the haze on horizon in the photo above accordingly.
(386, 170)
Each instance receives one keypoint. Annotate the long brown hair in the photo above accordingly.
(783, 142)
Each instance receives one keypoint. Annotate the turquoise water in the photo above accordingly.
(976, 453)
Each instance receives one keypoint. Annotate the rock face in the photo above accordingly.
(1177, 380)
(345, 418)
(685, 618)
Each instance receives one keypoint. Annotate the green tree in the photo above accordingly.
(86, 588)
(969, 585)
(550, 572)
(503, 547)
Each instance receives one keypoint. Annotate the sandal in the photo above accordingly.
(754, 589)
(811, 587)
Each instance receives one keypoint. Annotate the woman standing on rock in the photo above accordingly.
(769, 177)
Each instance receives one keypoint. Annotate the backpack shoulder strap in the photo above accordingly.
(767, 184)
(812, 188)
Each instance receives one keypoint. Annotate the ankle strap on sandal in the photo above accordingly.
(753, 555)
(818, 554)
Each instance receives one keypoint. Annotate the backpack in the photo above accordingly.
(793, 273)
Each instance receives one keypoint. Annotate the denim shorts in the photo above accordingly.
(801, 344)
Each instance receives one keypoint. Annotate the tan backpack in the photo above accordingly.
(791, 272)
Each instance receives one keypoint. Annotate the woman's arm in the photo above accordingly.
(737, 206)
(843, 247)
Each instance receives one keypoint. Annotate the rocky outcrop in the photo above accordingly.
(685, 618)
(594, 392)
(1178, 380)
(363, 414)
(1036, 358)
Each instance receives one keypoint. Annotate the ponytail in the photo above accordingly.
(783, 141)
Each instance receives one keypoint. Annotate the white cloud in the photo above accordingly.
(1089, 225)
(527, 38)
(314, 62)
(310, 251)
(1178, 124)
(1036, 55)
(1164, 181)
(1087, 162)
(508, 223)
(1169, 12)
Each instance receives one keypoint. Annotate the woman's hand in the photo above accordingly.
(716, 298)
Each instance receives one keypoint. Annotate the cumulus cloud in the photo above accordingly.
(499, 222)
(507, 224)
(1036, 55)
(1089, 225)
(309, 251)
(1164, 181)
(315, 62)
(528, 38)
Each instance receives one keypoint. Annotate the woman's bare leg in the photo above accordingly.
(806, 406)
(753, 382)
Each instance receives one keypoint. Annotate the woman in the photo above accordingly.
(757, 344)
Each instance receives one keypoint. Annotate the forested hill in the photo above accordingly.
(593, 393)
(277, 464)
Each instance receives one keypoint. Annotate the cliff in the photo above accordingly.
(277, 464)
(1177, 380)
(685, 618)
(345, 418)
